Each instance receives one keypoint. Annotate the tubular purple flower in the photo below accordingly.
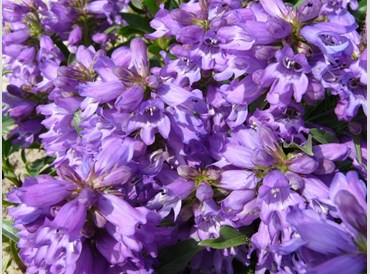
(139, 57)
(45, 193)
(75, 36)
(121, 214)
(348, 193)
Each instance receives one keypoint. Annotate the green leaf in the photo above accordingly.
(229, 237)
(323, 136)
(23, 156)
(110, 29)
(6, 263)
(152, 6)
(14, 251)
(154, 49)
(6, 147)
(7, 122)
(63, 48)
(307, 147)
(357, 142)
(175, 258)
(39, 166)
(240, 268)
(128, 30)
(360, 13)
(71, 58)
(137, 22)
(172, 4)
(5, 71)
(162, 42)
(362, 6)
(8, 172)
(137, 4)
(259, 103)
(298, 3)
(9, 231)
(77, 121)
(5, 201)
(35, 167)
(49, 170)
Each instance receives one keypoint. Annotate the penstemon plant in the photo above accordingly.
(210, 136)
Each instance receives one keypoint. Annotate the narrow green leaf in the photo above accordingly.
(240, 268)
(128, 30)
(323, 136)
(14, 251)
(23, 156)
(8, 172)
(162, 42)
(260, 101)
(137, 4)
(5, 71)
(7, 122)
(307, 147)
(7, 148)
(9, 231)
(172, 4)
(5, 201)
(110, 29)
(71, 58)
(48, 170)
(154, 49)
(6, 263)
(357, 142)
(35, 167)
(76, 121)
(298, 3)
(361, 11)
(63, 48)
(175, 258)
(229, 237)
(152, 6)
(137, 22)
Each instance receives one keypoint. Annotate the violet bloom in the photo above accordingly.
(287, 122)
(109, 9)
(259, 151)
(149, 118)
(275, 195)
(60, 17)
(122, 77)
(182, 71)
(86, 206)
(353, 96)
(196, 27)
(325, 246)
(329, 37)
(59, 119)
(49, 58)
(21, 107)
(287, 76)
(348, 193)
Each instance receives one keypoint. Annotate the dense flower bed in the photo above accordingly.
(210, 136)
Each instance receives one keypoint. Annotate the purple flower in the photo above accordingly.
(330, 240)
(348, 194)
(150, 118)
(275, 195)
(287, 76)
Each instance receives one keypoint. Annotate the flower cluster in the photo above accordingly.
(247, 115)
